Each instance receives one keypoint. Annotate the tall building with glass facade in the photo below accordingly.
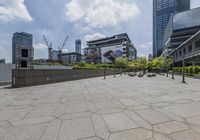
(78, 46)
(162, 11)
(22, 50)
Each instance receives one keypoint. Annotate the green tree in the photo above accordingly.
(121, 62)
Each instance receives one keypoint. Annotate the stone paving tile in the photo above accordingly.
(27, 132)
(157, 136)
(93, 138)
(186, 135)
(138, 120)
(129, 102)
(76, 116)
(153, 116)
(76, 129)
(42, 110)
(32, 121)
(51, 131)
(76, 108)
(107, 105)
(194, 120)
(119, 121)
(170, 127)
(100, 127)
(134, 134)
(121, 108)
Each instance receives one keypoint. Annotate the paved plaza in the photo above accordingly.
(121, 108)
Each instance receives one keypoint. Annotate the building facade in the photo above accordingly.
(180, 28)
(162, 11)
(78, 46)
(54, 55)
(106, 50)
(2, 61)
(71, 58)
(150, 57)
(22, 50)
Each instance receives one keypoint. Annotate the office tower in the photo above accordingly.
(22, 50)
(78, 46)
(162, 11)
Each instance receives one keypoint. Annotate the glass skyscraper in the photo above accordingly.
(162, 11)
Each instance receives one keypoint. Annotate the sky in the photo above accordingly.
(78, 19)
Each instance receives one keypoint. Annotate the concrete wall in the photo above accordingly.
(23, 78)
(6, 72)
(51, 67)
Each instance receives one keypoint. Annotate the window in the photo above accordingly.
(24, 52)
(23, 64)
(197, 45)
(190, 48)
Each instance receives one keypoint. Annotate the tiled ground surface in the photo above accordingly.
(121, 108)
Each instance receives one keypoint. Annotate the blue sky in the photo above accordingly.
(83, 19)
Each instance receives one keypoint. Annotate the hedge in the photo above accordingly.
(189, 69)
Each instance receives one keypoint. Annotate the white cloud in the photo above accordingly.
(13, 9)
(94, 36)
(146, 45)
(145, 49)
(40, 46)
(101, 13)
(142, 55)
(65, 50)
(74, 11)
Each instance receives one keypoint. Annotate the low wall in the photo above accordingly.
(52, 67)
(23, 78)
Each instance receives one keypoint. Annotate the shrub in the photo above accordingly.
(195, 70)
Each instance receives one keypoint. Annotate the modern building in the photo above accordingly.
(150, 57)
(2, 61)
(71, 58)
(22, 50)
(54, 55)
(106, 50)
(180, 28)
(182, 38)
(162, 11)
(78, 46)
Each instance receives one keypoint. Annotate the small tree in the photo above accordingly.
(142, 61)
(121, 62)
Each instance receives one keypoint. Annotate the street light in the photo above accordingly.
(114, 70)
(183, 70)
(173, 67)
(104, 70)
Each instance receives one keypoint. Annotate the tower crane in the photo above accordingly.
(60, 50)
(49, 48)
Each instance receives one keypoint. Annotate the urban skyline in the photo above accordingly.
(33, 20)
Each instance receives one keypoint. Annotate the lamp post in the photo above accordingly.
(114, 70)
(173, 67)
(104, 70)
(183, 70)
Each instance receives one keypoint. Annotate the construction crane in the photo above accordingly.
(60, 50)
(49, 48)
